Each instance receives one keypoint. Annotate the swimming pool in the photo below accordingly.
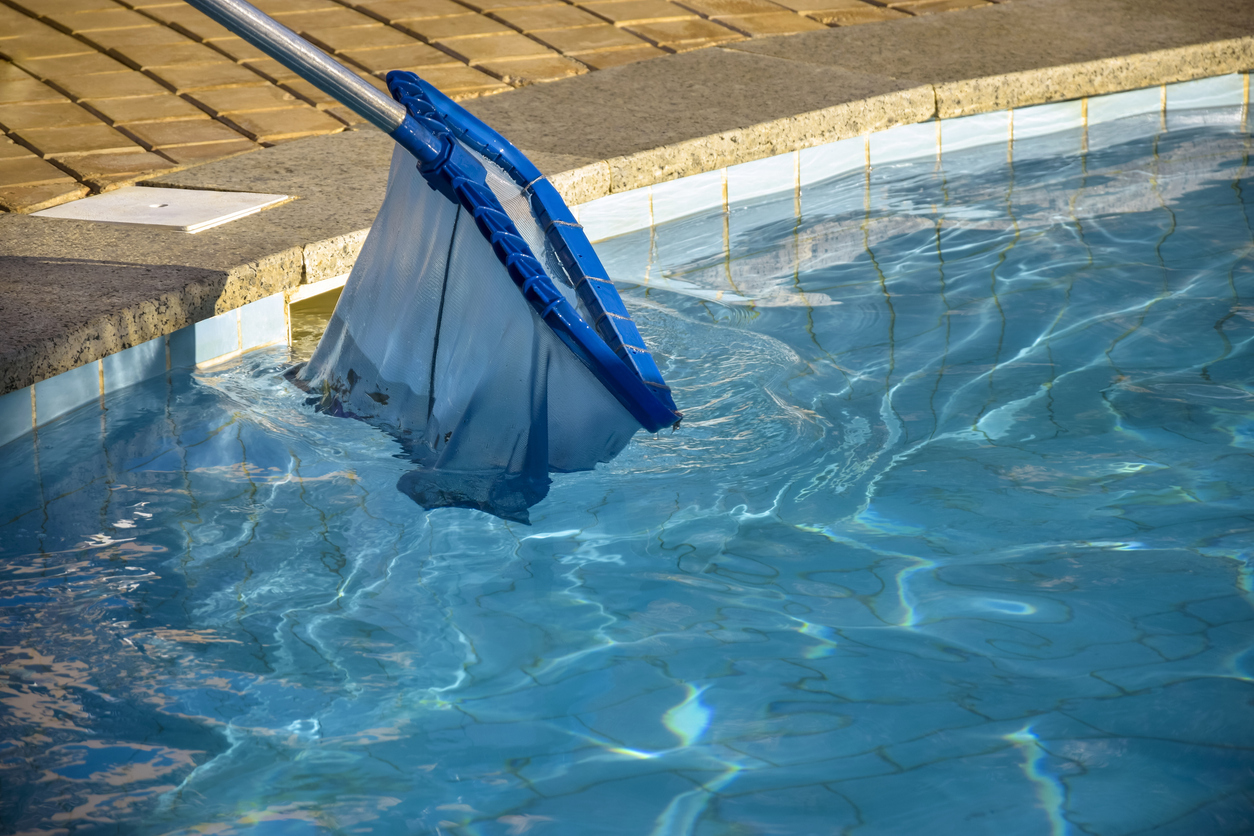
(956, 537)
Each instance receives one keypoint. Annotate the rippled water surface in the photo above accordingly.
(956, 538)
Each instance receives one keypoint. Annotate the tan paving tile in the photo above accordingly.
(203, 153)
(540, 18)
(49, 44)
(207, 77)
(54, 68)
(14, 24)
(186, 54)
(191, 22)
(120, 39)
(239, 49)
(460, 26)
(85, 139)
(10, 150)
(495, 48)
(720, 8)
(34, 198)
(308, 92)
(28, 171)
(12, 72)
(18, 117)
(462, 81)
(389, 58)
(603, 59)
(67, 6)
(589, 38)
(494, 5)
(146, 4)
(926, 7)
(358, 37)
(247, 99)
(112, 170)
(534, 70)
(854, 17)
(391, 11)
(278, 7)
(774, 23)
(677, 34)
(161, 135)
(624, 12)
(100, 21)
(825, 5)
(345, 115)
(271, 69)
(110, 85)
(28, 91)
(281, 125)
(335, 18)
(162, 108)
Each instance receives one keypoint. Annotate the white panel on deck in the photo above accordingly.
(187, 210)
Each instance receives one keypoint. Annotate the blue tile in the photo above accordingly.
(833, 159)
(205, 341)
(15, 415)
(904, 142)
(627, 257)
(20, 491)
(615, 214)
(1041, 120)
(1132, 131)
(58, 395)
(761, 224)
(773, 176)
(263, 322)
(134, 365)
(1120, 105)
(1220, 91)
(974, 131)
(688, 196)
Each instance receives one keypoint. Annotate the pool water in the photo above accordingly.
(956, 538)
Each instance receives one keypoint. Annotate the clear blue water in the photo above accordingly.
(956, 538)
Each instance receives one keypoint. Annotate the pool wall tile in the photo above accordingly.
(263, 322)
(1131, 131)
(772, 176)
(1120, 105)
(616, 214)
(973, 131)
(15, 415)
(134, 365)
(205, 341)
(58, 395)
(1219, 91)
(689, 195)
(904, 142)
(20, 491)
(1041, 120)
(628, 257)
(824, 162)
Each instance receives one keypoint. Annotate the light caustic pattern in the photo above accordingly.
(955, 539)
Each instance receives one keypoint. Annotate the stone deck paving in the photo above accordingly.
(95, 94)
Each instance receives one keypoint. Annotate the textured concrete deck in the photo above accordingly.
(95, 94)
(71, 292)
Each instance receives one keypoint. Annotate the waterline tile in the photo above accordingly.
(772, 176)
(904, 142)
(263, 322)
(972, 131)
(835, 158)
(1219, 91)
(1040, 120)
(15, 415)
(58, 395)
(205, 341)
(134, 365)
(1120, 105)
(616, 214)
(689, 196)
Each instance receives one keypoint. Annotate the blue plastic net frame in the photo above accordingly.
(611, 347)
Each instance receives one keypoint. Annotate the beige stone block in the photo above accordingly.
(50, 44)
(540, 18)
(625, 12)
(208, 77)
(14, 24)
(28, 171)
(17, 117)
(495, 48)
(191, 22)
(55, 68)
(186, 54)
(115, 169)
(28, 91)
(589, 39)
(462, 81)
(534, 70)
(720, 8)
(392, 57)
(280, 7)
(196, 154)
(308, 92)
(359, 37)
(163, 108)
(271, 69)
(100, 20)
(162, 135)
(10, 149)
(460, 26)
(239, 49)
(493, 5)
(391, 11)
(604, 59)
(120, 39)
(83, 139)
(925, 7)
(678, 33)
(33, 198)
(49, 7)
(246, 99)
(855, 17)
(280, 125)
(12, 72)
(775, 23)
(334, 18)
(825, 5)
(110, 86)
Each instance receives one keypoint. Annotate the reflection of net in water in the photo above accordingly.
(488, 388)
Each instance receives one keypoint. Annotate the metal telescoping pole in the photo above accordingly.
(328, 75)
